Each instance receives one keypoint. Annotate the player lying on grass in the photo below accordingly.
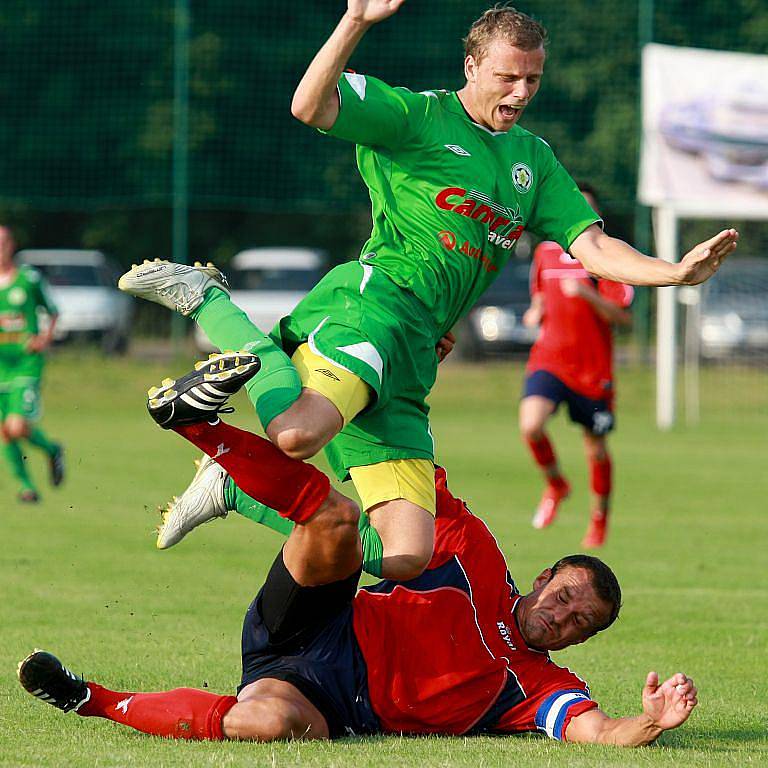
(457, 650)
(454, 181)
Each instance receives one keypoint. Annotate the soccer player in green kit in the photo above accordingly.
(22, 292)
(454, 181)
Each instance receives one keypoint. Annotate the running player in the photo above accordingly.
(572, 362)
(454, 181)
(22, 293)
(319, 661)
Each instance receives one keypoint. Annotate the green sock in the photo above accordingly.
(254, 510)
(373, 549)
(39, 439)
(243, 504)
(18, 467)
(277, 386)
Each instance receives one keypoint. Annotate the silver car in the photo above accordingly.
(83, 285)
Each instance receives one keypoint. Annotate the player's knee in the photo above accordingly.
(340, 516)
(266, 719)
(297, 442)
(405, 566)
(530, 431)
(14, 429)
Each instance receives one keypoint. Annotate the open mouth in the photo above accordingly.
(510, 111)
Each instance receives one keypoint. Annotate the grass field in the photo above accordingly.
(79, 574)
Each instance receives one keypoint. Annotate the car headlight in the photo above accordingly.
(494, 322)
(722, 329)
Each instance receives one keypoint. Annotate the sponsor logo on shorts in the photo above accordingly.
(522, 177)
(602, 422)
(505, 225)
(329, 374)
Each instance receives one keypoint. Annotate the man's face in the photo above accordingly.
(561, 612)
(502, 83)
(7, 246)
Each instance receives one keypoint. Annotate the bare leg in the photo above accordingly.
(407, 533)
(268, 709)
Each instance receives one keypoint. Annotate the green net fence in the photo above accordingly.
(88, 94)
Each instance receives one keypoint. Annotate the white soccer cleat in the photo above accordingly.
(176, 286)
(202, 502)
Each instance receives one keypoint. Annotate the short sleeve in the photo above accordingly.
(43, 296)
(618, 293)
(556, 711)
(373, 113)
(560, 213)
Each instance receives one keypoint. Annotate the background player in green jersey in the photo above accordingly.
(22, 292)
(454, 181)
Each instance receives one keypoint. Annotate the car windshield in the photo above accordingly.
(511, 286)
(82, 275)
(274, 279)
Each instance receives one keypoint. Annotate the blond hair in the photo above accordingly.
(506, 23)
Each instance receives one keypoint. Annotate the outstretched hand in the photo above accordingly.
(701, 262)
(670, 703)
(372, 11)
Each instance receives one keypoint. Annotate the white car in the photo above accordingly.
(267, 283)
(83, 286)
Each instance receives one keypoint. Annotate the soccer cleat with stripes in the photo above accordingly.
(176, 286)
(202, 393)
(202, 502)
(46, 678)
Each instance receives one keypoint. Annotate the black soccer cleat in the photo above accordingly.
(46, 678)
(201, 394)
(56, 465)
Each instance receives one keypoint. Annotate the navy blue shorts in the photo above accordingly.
(304, 636)
(594, 415)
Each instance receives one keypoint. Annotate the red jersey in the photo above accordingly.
(444, 653)
(575, 343)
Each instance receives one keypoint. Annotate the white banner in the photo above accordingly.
(705, 132)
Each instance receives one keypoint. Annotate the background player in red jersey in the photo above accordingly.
(458, 650)
(572, 362)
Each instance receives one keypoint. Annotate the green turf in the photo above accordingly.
(80, 575)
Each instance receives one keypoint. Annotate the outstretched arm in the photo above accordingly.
(605, 308)
(316, 101)
(608, 257)
(665, 706)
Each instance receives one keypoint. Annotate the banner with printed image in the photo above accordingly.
(705, 132)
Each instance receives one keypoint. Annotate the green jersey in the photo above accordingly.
(19, 303)
(449, 197)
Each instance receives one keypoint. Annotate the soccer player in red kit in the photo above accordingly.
(457, 650)
(572, 362)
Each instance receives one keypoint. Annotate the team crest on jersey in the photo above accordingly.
(17, 296)
(522, 177)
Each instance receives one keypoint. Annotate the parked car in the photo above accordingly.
(84, 286)
(734, 310)
(267, 283)
(495, 324)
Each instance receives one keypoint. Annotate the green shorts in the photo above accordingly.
(359, 319)
(20, 387)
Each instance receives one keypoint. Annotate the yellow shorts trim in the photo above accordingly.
(349, 393)
(409, 479)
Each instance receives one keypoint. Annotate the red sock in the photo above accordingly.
(293, 488)
(600, 476)
(542, 451)
(184, 713)
(544, 455)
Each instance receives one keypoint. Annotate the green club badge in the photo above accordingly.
(522, 177)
